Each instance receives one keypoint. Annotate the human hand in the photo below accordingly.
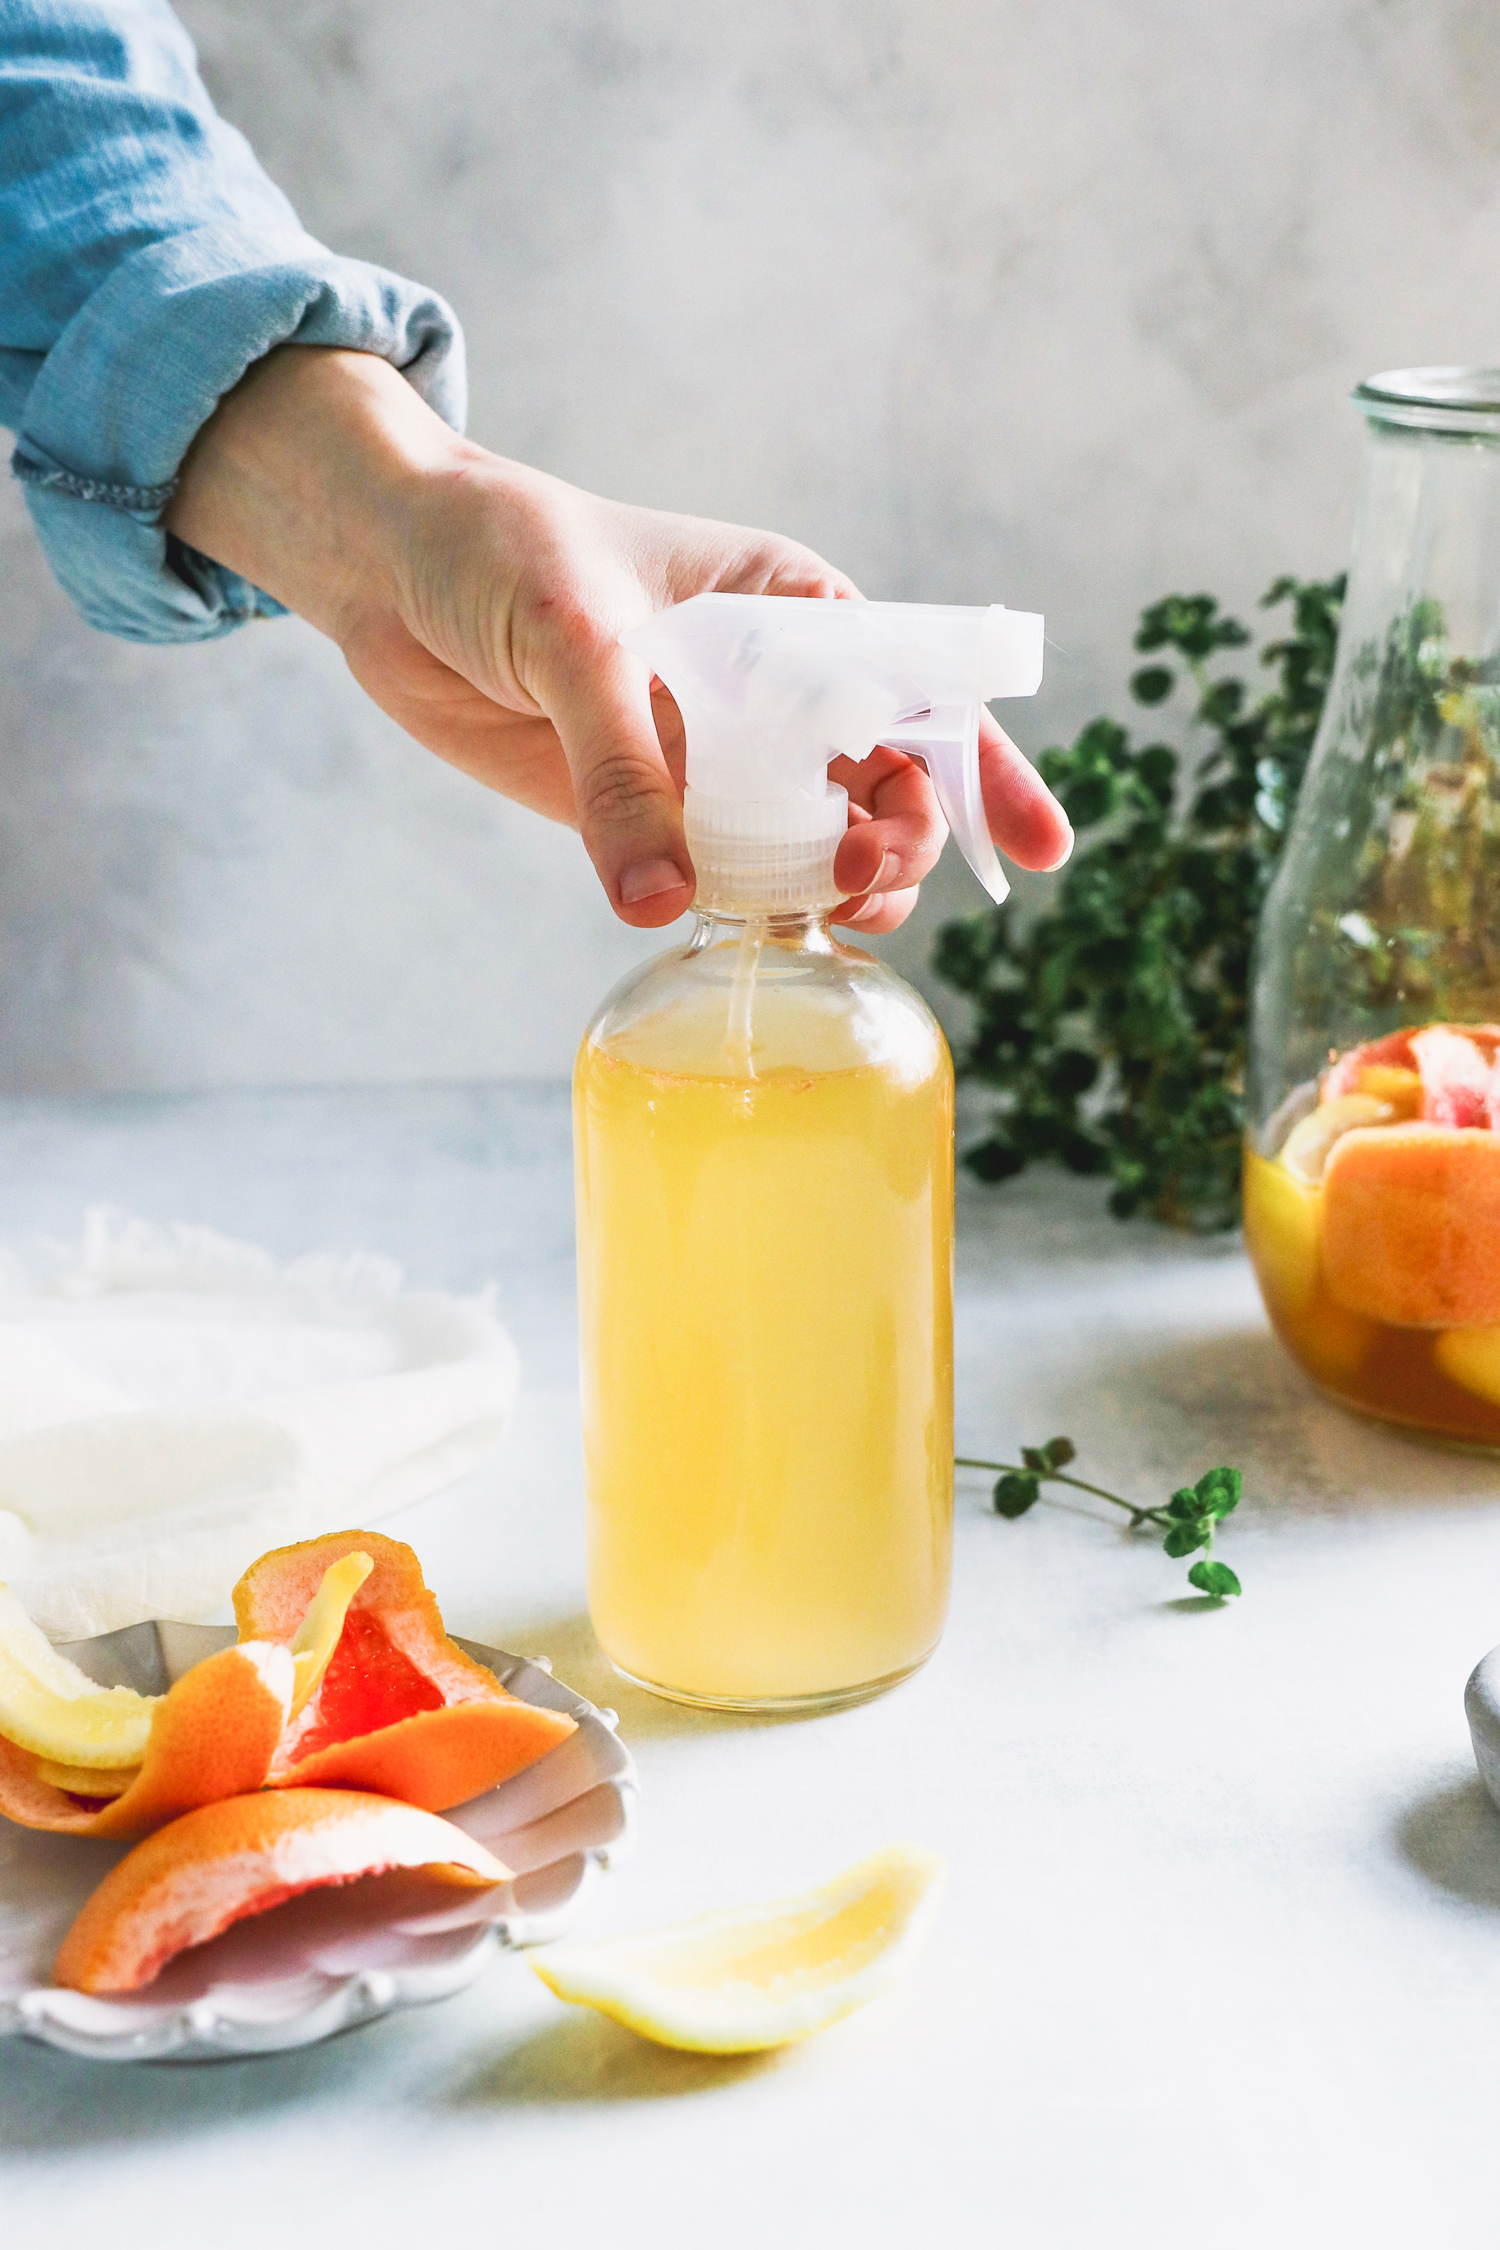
(480, 603)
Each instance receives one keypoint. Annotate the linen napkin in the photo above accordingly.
(173, 1403)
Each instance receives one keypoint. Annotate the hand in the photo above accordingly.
(480, 603)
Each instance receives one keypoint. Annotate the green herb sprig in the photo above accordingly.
(1188, 1520)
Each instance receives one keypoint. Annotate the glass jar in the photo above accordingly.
(1372, 1171)
(763, 1128)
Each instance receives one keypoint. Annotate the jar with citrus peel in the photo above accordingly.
(1372, 1172)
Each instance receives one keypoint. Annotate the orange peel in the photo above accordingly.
(242, 1856)
(398, 1708)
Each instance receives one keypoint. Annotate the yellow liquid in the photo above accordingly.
(765, 1273)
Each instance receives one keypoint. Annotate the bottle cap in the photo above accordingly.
(772, 687)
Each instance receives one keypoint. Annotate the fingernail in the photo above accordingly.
(649, 878)
(884, 875)
(865, 908)
(1063, 856)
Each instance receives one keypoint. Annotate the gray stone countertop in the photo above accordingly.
(1220, 1951)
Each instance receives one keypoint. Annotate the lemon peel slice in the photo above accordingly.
(88, 1781)
(1470, 1357)
(317, 1636)
(752, 1977)
(49, 1707)
(1309, 1144)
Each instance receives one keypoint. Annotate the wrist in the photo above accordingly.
(304, 474)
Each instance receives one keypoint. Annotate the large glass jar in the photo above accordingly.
(1372, 1176)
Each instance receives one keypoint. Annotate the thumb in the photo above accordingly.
(599, 701)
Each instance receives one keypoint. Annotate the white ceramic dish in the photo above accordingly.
(1482, 1710)
(332, 1958)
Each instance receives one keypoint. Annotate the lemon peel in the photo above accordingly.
(318, 1635)
(753, 1977)
(1309, 1144)
(87, 1781)
(49, 1707)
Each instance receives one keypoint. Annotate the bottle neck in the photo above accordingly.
(805, 930)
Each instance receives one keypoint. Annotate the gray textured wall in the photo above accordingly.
(1046, 301)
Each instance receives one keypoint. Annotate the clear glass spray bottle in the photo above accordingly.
(764, 1153)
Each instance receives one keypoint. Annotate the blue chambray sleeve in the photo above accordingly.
(145, 262)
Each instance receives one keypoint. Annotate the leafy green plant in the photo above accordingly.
(1188, 1521)
(1112, 1024)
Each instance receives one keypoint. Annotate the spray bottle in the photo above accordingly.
(764, 1148)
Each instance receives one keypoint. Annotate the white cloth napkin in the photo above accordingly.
(173, 1403)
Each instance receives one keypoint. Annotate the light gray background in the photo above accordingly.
(1053, 302)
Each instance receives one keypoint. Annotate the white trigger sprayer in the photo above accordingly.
(771, 687)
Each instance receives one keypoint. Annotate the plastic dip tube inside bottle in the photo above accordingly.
(764, 1150)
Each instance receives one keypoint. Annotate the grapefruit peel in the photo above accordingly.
(72, 1752)
(212, 1735)
(1400, 1159)
(343, 1677)
(241, 1856)
(398, 1708)
(753, 1977)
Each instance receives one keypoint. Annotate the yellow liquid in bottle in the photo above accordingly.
(765, 1271)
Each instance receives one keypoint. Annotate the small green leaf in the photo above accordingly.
(1157, 767)
(1185, 1504)
(1015, 1494)
(1035, 1459)
(993, 1160)
(1184, 1537)
(1059, 1452)
(1072, 1072)
(1219, 1491)
(1214, 1578)
(1090, 800)
(1152, 684)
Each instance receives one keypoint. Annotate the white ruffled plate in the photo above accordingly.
(331, 1958)
(1482, 1710)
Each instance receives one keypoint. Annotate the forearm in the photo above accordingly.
(302, 476)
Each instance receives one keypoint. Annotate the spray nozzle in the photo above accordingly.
(771, 687)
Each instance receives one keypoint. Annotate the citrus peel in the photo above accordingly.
(318, 1635)
(398, 1708)
(109, 1762)
(1411, 1225)
(49, 1707)
(759, 1976)
(1413, 1060)
(86, 1781)
(212, 1735)
(343, 1678)
(242, 1856)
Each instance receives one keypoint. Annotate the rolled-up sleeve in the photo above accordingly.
(145, 262)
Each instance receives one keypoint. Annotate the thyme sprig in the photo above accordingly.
(1188, 1520)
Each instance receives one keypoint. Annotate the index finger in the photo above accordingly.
(1024, 817)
